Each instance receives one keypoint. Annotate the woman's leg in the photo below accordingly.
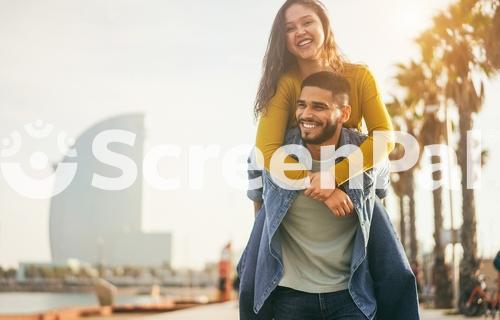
(246, 272)
(394, 282)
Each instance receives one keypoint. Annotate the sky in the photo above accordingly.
(193, 68)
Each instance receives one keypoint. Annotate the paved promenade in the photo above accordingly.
(229, 311)
(440, 315)
(219, 311)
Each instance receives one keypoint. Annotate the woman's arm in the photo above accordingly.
(377, 118)
(272, 128)
(273, 124)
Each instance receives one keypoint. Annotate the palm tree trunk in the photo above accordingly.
(440, 271)
(412, 217)
(470, 263)
(413, 230)
(402, 221)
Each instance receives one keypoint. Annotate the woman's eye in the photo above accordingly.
(290, 29)
(307, 23)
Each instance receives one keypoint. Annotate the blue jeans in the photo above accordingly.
(290, 304)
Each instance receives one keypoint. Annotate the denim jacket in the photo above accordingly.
(261, 265)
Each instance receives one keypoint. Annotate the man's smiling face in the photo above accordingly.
(318, 115)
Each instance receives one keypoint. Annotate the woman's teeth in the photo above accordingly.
(304, 42)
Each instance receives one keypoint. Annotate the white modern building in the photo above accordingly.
(102, 226)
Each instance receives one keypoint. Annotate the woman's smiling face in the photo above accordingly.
(304, 32)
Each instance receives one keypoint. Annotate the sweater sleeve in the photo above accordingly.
(377, 118)
(273, 124)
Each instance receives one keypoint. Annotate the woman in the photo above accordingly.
(301, 43)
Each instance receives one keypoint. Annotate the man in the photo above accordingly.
(304, 261)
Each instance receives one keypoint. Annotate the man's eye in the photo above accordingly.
(301, 105)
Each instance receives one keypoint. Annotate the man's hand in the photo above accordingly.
(314, 190)
(339, 203)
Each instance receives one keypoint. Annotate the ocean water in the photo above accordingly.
(31, 302)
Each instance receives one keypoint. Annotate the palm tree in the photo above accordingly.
(457, 38)
(433, 133)
(493, 40)
(406, 78)
(418, 78)
(404, 182)
(399, 184)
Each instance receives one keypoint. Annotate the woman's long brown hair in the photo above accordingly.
(278, 59)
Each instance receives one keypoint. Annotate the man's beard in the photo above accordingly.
(326, 134)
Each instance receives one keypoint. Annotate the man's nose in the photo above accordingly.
(308, 110)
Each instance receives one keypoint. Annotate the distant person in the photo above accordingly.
(225, 285)
(496, 264)
(415, 268)
(496, 261)
(236, 284)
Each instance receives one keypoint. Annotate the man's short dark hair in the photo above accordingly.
(327, 80)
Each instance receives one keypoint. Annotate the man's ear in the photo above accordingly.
(346, 113)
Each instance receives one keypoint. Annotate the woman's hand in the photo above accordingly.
(339, 203)
(314, 190)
